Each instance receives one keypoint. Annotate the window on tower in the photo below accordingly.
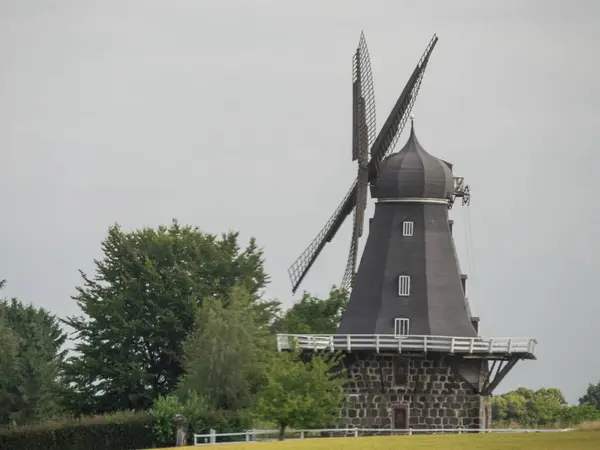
(407, 228)
(401, 326)
(404, 285)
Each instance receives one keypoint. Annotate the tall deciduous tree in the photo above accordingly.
(313, 315)
(31, 357)
(227, 352)
(301, 394)
(591, 396)
(141, 304)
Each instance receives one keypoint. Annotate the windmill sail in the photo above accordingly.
(299, 269)
(363, 135)
(364, 125)
(364, 131)
(391, 130)
(363, 99)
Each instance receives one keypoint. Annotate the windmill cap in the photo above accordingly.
(414, 173)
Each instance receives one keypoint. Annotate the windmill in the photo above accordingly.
(411, 344)
(369, 150)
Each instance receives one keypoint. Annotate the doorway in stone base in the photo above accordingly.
(400, 417)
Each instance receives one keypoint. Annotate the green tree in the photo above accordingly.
(574, 415)
(591, 396)
(529, 408)
(141, 304)
(226, 354)
(511, 407)
(545, 407)
(312, 315)
(9, 370)
(553, 395)
(31, 358)
(301, 394)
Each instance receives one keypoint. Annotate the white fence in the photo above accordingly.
(212, 438)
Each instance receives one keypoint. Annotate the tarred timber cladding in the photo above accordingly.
(414, 186)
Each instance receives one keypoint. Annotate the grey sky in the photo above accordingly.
(236, 115)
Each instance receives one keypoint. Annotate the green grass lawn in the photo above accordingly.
(575, 440)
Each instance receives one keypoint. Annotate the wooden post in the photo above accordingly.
(181, 431)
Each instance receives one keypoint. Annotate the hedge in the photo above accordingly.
(98, 433)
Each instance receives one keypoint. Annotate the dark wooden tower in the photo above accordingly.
(413, 351)
(409, 267)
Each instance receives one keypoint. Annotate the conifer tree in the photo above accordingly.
(31, 359)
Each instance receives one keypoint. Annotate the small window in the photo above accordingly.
(404, 285)
(401, 371)
(407, 228)
(401, 326)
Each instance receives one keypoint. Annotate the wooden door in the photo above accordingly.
(401, 418)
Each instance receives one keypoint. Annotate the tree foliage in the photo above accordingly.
(301, 394)
(545, 407)
(591, 396)
(226, 353)
(31, 358)
(140, 305)
(312, 315)
(197, 411)
(9, 371)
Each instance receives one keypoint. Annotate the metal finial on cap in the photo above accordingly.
(412, 123)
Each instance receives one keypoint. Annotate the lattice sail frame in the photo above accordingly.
(380, 148)
(299, 268)
(392, 129)
(364, 115)
(363, 132)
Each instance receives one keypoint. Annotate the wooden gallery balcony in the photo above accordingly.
(478, 347)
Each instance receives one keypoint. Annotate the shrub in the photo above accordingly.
(162, 414)
(122, 431)
(201, 417)
(573, 415)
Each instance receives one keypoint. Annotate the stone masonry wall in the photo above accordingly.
(434, 397)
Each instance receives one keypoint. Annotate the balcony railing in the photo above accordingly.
(391, 343)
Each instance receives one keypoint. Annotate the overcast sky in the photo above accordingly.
(237, 115)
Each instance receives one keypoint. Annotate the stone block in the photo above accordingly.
(435, 396)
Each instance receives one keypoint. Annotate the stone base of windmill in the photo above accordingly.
(419, 392)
